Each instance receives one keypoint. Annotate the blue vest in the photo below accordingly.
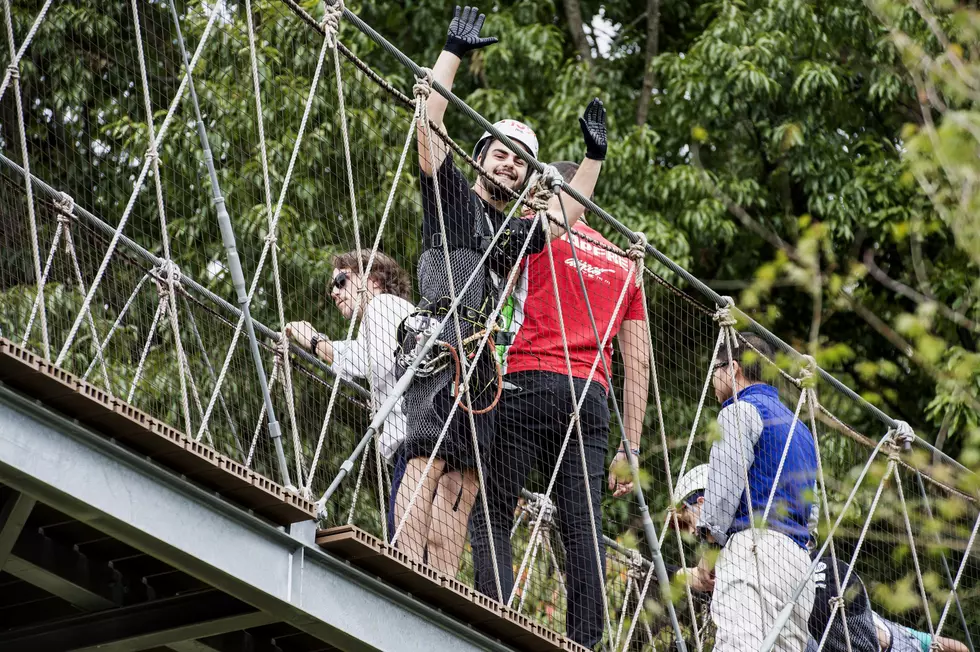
(796, 492)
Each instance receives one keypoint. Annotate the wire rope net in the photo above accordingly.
(494, 466)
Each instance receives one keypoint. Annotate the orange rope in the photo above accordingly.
(457, 384)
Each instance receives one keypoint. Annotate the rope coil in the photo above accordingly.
(540, 504)
(331, 22)
(635, 567)
(14, 71)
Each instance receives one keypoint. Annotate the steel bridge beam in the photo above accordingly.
(139, 627)
(13, 516)
(284, 574)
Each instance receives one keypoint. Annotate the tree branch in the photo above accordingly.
(652, 48)
(573, 14)
(907, 292)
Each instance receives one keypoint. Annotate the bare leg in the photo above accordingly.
(414, 533)
(450, 516)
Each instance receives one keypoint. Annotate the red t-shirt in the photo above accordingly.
(537, 343)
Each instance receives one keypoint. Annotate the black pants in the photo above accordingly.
(531, 426)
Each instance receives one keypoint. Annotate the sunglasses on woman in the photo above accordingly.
(340, 280)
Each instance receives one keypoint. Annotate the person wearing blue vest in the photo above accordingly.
(762, 560)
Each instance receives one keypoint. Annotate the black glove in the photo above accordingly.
(593, 123)
(464, 32)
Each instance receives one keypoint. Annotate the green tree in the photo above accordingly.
(816, 160)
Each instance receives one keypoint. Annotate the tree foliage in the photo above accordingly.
(819, 161)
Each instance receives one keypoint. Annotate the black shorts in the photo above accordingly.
(457, 447)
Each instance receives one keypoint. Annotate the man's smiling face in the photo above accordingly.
(505, 167)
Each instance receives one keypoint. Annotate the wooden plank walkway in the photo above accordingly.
(452, 596)
(113, 417)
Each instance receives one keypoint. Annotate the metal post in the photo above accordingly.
(231, 251)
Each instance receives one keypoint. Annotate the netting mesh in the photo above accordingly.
(162, 330)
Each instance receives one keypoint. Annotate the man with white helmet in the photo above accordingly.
(461, 220)
(758, 506)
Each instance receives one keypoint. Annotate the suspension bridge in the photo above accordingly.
(177, 474)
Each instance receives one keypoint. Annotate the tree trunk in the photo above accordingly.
(573, 13)
(653, 45)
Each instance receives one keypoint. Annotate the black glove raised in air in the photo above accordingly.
(464, 32)
(593, 123)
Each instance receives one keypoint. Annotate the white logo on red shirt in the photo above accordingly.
(590, 270)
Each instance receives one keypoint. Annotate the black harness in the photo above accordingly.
(414, 329)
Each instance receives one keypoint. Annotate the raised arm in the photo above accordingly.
(593, 123)
(463, 36)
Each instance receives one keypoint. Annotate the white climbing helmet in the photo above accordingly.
(691, 482)
(516, 131)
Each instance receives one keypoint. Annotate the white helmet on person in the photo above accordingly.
(692, 484)
(516, 131)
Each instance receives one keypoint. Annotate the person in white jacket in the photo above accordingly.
(381, 301)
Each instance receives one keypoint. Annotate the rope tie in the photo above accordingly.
(635, 566)
(637, 253)
(901, 438)
(14, 71)
(423, 85)
(836, 602)
(540, 504)
(282, 346)
(544, 190)
(331, 22)
(723, 315)
(65, 203)
(271, 238)
(152, 154)
(808, 374)
(164, 274)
